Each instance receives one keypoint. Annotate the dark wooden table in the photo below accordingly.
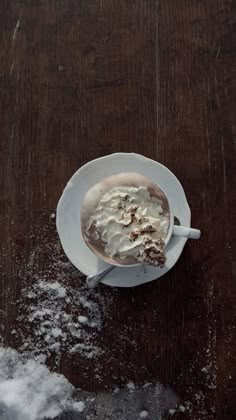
(82, 79)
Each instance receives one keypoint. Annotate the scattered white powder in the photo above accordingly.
(61, 318)
(182, 408)
(29, 391)
(147, 384)
(79, 406)
(124, 405)
(143, 414)
(172, 411)
(60, 291)
(131, 387)
(83, 319)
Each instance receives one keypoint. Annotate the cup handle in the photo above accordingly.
(186, 232)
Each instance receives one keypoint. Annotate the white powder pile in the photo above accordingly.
(61, 318)
(29, 391)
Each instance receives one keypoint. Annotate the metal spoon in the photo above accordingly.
(92, 281)
(176, 221)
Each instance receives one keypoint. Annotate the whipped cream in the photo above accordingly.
(131, 223)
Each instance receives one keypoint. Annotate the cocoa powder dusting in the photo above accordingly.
(147, 229)
(153, 254)
(136, 234)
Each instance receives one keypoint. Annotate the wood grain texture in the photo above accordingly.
(82, 79)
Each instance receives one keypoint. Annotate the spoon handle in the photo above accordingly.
(92, 281)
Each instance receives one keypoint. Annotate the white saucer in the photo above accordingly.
(68, 216)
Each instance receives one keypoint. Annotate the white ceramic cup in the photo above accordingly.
(176, 230)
